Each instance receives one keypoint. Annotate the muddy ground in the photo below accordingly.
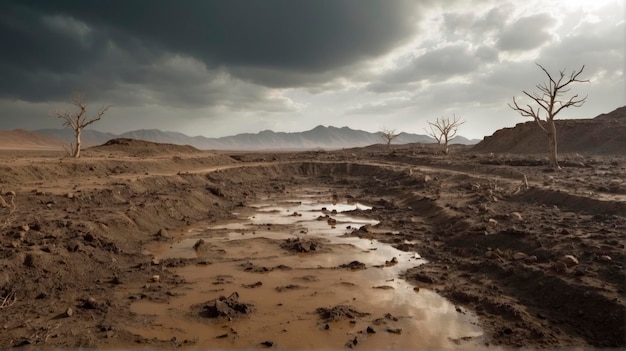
(538, 260)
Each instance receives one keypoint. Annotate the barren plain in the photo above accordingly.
(104, 251)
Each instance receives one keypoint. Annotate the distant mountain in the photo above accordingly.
(320, 137)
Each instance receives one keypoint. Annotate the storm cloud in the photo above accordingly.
(221, 67)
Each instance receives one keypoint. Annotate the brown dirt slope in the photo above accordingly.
(141, 148)
(604, 134)
(26, 140)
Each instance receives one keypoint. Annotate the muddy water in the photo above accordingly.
(286, 299)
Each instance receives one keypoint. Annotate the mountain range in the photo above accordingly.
(320, 137)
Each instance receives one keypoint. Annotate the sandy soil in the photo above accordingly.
(539, 266)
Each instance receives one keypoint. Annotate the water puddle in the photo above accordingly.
(284, 256)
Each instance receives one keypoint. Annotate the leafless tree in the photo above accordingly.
(550, 103)
(77, 120)
(388, 135)
(443, 130)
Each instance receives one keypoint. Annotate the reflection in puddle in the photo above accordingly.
(286, 299)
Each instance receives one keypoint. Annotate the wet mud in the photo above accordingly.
(306, 283)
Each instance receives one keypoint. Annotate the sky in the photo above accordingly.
(218, 68)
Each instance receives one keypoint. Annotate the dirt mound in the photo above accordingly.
(141, 148)
(339, 312)
(20, 139)
(605, 134)
(298, 245)
(228, 307)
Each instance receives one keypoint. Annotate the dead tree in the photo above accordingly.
(443, 130)
(550, 103)
(388, 135)
(77, 120)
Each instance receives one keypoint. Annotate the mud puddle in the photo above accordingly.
(308, 284)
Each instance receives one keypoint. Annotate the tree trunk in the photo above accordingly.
(554, 163)
(77, 149)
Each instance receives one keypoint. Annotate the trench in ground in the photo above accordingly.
(286, 300)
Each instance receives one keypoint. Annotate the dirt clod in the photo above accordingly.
(229, 307)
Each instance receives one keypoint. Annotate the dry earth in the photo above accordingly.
(542, 266)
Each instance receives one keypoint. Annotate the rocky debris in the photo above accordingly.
(339, 312)
(569, 260)
(422, 277)
(93, 304)
(162, 234)
(228, 307)
(352, 343)
(384, 287)
(299, 245)
(394, 330)
(392, 262)
(252, 286)
(354, 266)
(201, 245)
(519, 256)
(251, 267)
(289, 287)
(308, 278)
(267, 343)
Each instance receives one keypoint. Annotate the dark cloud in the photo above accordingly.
(269, 42)
(526, 33)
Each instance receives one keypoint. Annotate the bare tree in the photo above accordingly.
(443, 130)
(550, 104)
(388, 135)
(77, 120)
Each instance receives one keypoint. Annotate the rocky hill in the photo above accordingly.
(604, 134)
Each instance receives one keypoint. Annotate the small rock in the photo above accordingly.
(416, 289)
(155, 261)
(25, 227)
(162, 233)
(10, 193)
(531, 259)
(69, 312)
(569, 260)
(519, 256)
(30, 260)
(156, 278)
(516, 216)
(483, 207)
(605, 258)
(394, 330)
(267, 343)
(492, 222)
(370, 330)
(70, 195)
